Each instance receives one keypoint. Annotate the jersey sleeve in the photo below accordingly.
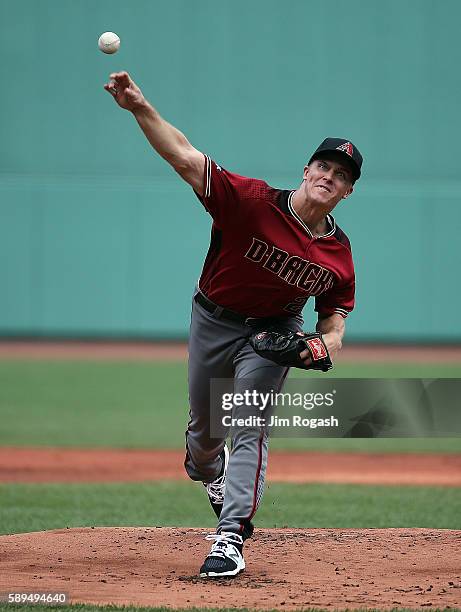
(224, 192)
(219, 193)
(340, 299)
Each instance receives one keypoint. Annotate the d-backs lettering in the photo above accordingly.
(294, 270)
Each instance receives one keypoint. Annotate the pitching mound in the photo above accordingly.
(286, 568)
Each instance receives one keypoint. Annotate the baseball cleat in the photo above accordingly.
(217, 489)
(225, 558)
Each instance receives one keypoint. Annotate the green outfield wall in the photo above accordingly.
(99, 237)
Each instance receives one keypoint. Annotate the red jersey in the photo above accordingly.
(263, 260)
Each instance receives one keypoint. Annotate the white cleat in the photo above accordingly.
(217, 489)
(225, 558)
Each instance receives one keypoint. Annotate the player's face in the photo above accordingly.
(327, 181)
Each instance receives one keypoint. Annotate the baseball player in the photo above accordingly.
(271, 250)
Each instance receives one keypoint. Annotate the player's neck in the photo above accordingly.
(312, 216)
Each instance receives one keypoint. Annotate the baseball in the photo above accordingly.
(109, 42)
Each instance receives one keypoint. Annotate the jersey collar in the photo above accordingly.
(330, 220)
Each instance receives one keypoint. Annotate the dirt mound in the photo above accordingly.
(286, 568)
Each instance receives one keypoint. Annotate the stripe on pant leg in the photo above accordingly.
(256, 486)
(257, 493)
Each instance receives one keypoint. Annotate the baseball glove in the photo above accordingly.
(284, 347)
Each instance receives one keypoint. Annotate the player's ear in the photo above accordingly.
(306, 172)
(348, 192)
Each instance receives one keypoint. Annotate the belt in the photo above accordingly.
(225, 313)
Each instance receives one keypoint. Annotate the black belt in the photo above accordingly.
(225, 313)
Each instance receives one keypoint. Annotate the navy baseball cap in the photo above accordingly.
(343, 147)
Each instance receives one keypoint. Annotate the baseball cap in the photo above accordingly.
(345, 148)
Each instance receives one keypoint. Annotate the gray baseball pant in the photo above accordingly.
(219, 348)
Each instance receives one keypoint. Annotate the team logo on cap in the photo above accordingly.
(347, 148)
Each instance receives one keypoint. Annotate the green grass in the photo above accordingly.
(371, 445)
(145, 405)
(93, 404)
(37, 507)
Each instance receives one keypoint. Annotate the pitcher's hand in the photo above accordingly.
(125, 91)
